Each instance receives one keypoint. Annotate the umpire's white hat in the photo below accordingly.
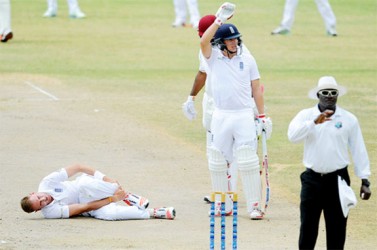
(346, 196)
(326, 82)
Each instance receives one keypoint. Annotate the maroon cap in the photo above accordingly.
(204, 24)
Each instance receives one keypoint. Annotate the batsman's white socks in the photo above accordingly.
(248, 164)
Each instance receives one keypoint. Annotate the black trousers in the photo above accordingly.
(320, 193)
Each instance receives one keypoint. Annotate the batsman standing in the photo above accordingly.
(202, 80)
(235, 82)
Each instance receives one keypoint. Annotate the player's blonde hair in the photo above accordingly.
(26, 205)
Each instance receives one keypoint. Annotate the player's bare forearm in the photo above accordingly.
(205, 41)
(77, 209)
(258, 95)
(199, 83)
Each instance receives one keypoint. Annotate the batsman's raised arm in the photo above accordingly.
(205, 41)
(224, 13)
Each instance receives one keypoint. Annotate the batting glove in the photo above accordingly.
(225, 12)
(365, 192)
(189, 108)
(266, 125)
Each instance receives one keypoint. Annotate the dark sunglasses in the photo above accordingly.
(328, 92)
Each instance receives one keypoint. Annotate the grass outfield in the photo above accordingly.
(129, 46)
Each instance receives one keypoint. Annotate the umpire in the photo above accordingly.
(328, 133)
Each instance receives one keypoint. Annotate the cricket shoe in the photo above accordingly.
(256, 214)
(331, 31)
(280, 31)
(178, 24)
(77, 14)
(50, 13)
(136, 200)
(6, 37)
(164, 213)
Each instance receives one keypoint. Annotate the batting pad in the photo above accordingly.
(248, 164)
(218, 169)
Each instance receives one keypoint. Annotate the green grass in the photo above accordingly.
(130, 47)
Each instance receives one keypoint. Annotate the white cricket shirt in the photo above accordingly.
(326, 145)
(203, 64)
(230, 79)
(64, 193)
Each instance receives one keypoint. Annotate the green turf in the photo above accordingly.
(129, 46)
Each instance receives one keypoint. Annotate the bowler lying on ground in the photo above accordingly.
(92, 194)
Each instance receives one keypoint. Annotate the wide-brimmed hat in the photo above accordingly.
(346, 196)
(326, 82)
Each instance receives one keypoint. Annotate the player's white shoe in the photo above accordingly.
(195, 25)
(280, 31)
(77, 14)
(256, 214)
(164, 213)
(136, 200)
(178, 23)
(331, 31)
(49, 13)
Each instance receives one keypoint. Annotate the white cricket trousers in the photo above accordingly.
(93, 189)
(52, 5)
(324, 9)
(232, 129)
(180, 9)
(5, 15)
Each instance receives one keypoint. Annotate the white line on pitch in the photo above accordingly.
(42, 91)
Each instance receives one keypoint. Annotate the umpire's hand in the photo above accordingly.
(365, 192)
